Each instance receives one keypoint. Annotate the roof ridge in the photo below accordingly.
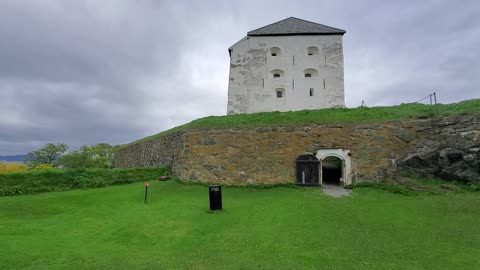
(316, 23)
(295, 26)
(269, 24)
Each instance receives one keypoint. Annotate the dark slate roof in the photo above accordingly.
(294, 26)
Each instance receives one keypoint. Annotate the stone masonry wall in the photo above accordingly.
(163, 151)
(267, 154)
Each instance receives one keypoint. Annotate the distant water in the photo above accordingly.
(15, 158)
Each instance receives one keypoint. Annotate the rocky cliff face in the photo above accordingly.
(447, 147)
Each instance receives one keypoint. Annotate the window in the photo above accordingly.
(280, 92)
(312, 50)
(275, 51)
(277, 73)
(310, 72)
(311, 92)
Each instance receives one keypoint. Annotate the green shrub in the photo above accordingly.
(65, 179)
(83, 181)
(12, 190)
(474, 187)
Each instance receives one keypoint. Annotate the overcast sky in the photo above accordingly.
(85, 72)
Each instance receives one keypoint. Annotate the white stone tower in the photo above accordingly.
(289, 65)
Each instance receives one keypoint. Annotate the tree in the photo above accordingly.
(94, 156)
(50, 153)
(74, 159)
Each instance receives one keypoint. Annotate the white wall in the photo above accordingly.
(252, 88)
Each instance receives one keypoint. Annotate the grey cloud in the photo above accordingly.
(83, 72)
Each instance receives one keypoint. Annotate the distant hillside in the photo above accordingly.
(328, 116)
(19, 158)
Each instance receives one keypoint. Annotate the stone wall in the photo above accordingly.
(267, 154)
(163, 151)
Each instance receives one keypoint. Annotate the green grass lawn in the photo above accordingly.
(279, 228)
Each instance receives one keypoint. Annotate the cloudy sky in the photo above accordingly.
(85, 72)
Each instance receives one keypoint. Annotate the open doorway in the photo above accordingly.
(335, 166)
(332, 170)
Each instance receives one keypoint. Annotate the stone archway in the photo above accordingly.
(336, 164)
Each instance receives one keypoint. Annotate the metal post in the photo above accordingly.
(430, 99)
(435, 97)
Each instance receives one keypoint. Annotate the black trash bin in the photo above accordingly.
(215, 192)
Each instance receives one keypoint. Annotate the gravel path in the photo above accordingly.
(335, 190)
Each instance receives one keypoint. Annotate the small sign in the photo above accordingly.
(146, 184)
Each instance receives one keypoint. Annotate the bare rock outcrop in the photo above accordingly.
(448, 148)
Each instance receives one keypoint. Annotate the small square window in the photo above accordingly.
(279, 94)
(276, 75)
(274, 54)
(308, 75)
(311, 92)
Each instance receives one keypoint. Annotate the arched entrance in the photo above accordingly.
(335, 166)
(332, 170)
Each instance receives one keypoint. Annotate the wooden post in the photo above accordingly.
(146, 191)
(320, 174)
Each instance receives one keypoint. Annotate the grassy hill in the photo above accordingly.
(279, 228)
(327, 116)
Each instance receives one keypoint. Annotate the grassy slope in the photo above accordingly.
(327, 116)
(280, 228)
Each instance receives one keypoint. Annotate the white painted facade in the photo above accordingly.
(286, 73)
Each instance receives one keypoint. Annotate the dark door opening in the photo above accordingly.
(332, 170)
(307, 170)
